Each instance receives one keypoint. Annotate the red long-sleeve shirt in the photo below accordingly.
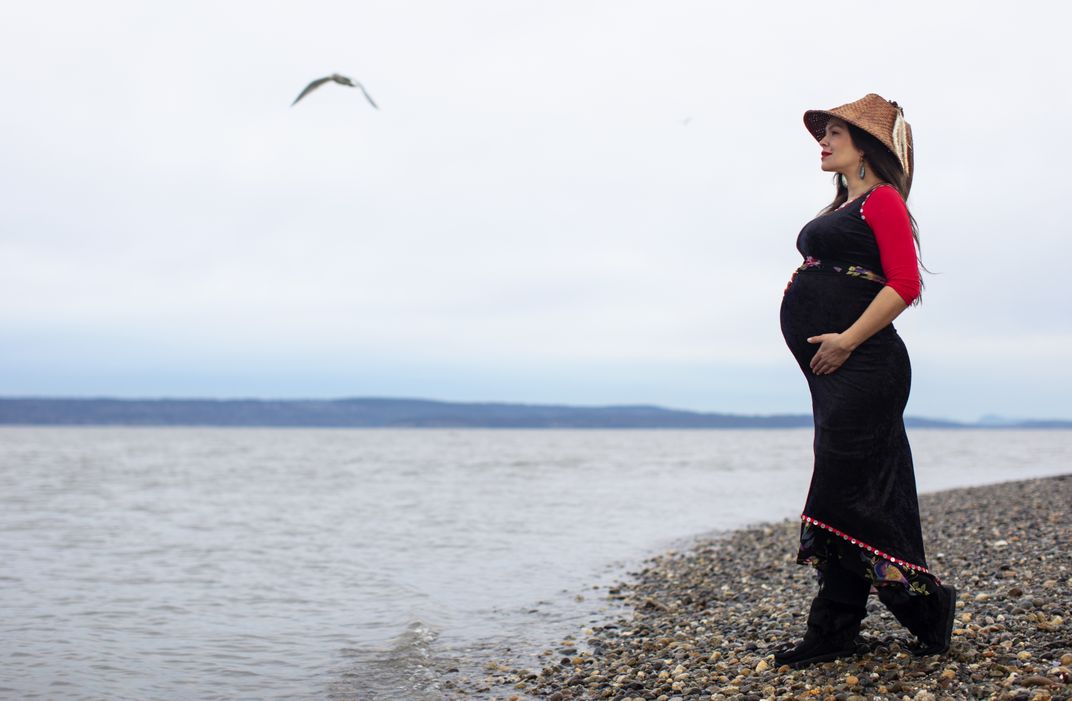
(885, 212)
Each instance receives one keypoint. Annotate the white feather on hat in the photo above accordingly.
(900, 139)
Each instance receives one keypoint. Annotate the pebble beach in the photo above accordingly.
(703, 623)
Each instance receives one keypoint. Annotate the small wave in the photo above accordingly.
(407, 667)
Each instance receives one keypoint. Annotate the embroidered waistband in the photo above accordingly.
(814, 264)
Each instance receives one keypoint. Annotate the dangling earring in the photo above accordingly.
(863, 172)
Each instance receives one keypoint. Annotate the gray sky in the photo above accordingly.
(577, 202)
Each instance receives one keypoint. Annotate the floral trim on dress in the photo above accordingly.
(815, 264)
(883, 572)
(860, 271)
(819, 545)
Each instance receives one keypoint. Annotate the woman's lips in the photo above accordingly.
(824, 154)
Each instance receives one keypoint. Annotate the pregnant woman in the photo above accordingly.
(860, 527)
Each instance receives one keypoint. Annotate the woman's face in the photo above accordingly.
(839, 154)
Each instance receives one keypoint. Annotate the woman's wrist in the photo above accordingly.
(849, 341)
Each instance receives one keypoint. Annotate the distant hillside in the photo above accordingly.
(389, 413)
(366, 413)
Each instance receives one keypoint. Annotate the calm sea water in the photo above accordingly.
(312, 564)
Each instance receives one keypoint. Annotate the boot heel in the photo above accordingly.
(940, 646)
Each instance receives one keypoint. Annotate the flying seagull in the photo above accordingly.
(341, 80)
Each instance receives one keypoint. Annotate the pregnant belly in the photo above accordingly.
(818, 303)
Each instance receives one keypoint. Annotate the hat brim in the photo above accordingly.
(815, 122)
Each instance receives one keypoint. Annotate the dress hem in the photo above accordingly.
(862, 545)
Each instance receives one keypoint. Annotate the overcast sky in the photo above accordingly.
(568, 202)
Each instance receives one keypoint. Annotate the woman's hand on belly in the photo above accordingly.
(832, 354)
(835, 348)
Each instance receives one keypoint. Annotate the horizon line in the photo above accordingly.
(983, 420)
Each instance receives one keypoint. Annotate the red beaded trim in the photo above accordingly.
(865, 546)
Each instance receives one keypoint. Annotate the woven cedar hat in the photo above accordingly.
(881, 118)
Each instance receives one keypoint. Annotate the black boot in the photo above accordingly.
(832, 630)
(929, 618)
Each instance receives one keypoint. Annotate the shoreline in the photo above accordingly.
(703, 623)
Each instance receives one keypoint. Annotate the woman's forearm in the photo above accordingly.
(884, 308)
(835, 348)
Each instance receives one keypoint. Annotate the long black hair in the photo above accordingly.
(888, 168)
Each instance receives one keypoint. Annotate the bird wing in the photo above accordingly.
(309, 88)
(367, 96)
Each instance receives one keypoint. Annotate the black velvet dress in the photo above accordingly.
(862, 500)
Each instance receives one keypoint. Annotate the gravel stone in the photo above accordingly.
(704, 623)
